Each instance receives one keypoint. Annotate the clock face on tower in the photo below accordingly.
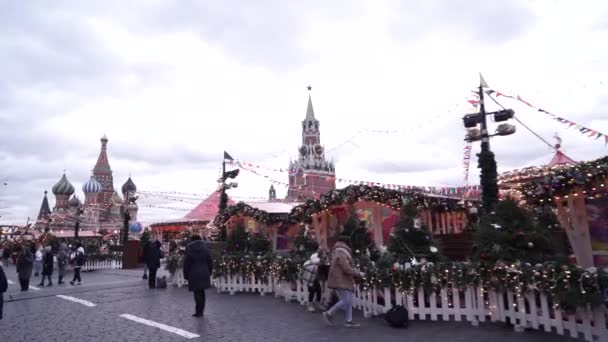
(303, 150)
(318, 150)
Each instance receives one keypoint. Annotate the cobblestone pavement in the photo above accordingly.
(42, 316)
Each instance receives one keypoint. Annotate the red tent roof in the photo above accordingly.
(560, 159)
(208, 208)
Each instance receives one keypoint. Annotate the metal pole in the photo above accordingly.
(485, 138)
(125, 235)
(487, 162)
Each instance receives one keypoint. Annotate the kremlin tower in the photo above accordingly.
(311, 175)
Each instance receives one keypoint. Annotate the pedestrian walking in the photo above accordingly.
(25, 263)
(38, 254)
(311, 276)
(198, 267)
(152, 256)
(342, 279)
(6, 254)
(3, 288)
(62, 262)
(79, 259)
(47, 266)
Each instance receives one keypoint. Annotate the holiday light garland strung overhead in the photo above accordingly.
(437, 190)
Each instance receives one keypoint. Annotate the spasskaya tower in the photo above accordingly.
(311, 175)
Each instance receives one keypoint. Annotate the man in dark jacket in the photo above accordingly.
(3, 288)
(25, 264)
(152, 256)
(198, 268)
(47, 266)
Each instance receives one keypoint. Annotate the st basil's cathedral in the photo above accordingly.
(102, 207)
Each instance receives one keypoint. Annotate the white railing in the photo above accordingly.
(93, 265)
(532, 310)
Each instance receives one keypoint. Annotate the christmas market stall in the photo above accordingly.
(377, 207)
(576, 193)
(268, 219)
(198, 218)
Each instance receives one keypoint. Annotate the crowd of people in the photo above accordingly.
(335, 270)
(35, 259)
(39, 260)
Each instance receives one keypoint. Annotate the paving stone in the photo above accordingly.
(243, 317)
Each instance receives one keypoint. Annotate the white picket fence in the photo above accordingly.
(93, 265)
(532, 310)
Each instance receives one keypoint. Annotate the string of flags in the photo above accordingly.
(591, 133)
(436, 190)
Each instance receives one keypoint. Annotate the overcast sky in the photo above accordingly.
(174, 83)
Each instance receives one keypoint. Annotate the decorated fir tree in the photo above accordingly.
(236, 242)
(223, 204)
(258, 244)
(511, 234)
(360, 239)
(305, 243)
(410, 240)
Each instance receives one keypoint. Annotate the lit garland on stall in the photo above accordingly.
(568, 287)
(349, 195)
(584, 179)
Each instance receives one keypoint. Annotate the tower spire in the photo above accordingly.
(310, 113)
(45, 209)
(103, 165)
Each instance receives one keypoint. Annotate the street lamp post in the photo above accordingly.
(487, 162)
(79, 211)
(125, 228)
(225, 186)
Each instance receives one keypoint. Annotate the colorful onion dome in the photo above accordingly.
(129, 186)
(74, 202)
(91, 186)
(63, 187)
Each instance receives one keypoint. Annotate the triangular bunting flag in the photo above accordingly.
(482, 82)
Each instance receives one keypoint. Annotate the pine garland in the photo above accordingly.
(488, 179)
(569, 287)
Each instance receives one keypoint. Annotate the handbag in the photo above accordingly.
(397, 317)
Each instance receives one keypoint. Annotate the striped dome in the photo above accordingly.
(63, 187)
(91, 186)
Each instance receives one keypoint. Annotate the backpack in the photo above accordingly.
(397, 317)
(80, 259)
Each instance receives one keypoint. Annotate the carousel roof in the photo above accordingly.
(560, 159)
(208, 208)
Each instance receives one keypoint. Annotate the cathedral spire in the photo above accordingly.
(103, 174)
(310, 113)
(103, 165)
(45, 209)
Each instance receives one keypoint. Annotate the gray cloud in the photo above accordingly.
(483, 21)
